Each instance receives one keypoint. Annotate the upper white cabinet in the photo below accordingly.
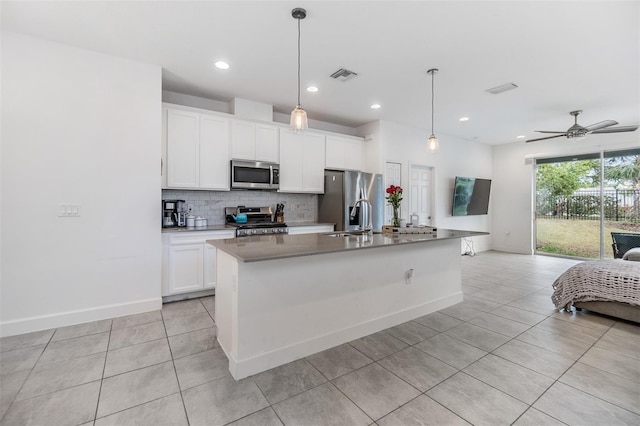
(214, 152)
(183, 149)
(197, 150)
(254, 141)
(302, 162)
(344, 153)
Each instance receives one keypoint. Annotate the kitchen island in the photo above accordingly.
(283, 297)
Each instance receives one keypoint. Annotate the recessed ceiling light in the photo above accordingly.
(463, 119)
(312, 89)
(520, 136)
(222, 65)
(375, 106)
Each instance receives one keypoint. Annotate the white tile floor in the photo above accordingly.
(503, 356)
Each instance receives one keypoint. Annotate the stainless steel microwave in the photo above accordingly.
(254, 175)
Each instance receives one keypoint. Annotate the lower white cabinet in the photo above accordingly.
(310, 229)
(188, 262)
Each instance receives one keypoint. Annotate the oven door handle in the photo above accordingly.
(270, 176)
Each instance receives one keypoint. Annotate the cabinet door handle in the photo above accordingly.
(161, 167)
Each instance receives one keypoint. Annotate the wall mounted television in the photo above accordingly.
(471, 196)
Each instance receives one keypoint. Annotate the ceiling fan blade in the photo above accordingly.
(618, 129)
(549, 131)
(601, 125)
(548, 137)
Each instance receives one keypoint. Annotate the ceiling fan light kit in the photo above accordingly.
(578, 132)
(298, 121)
(432, 143)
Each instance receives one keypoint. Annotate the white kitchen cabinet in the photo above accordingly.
(197, 150)
(214, 152)
(254, 141)
(302, 162)
(183, 149)
(310, 229)
(189, 262)
(186, 266)
(344, 153)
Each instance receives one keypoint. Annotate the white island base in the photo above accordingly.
(272, 312)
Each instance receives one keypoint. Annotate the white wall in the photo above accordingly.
(407, 145)
(513, 182)
(78, 127)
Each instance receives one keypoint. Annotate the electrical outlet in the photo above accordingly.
(68, 210)
(408, 276)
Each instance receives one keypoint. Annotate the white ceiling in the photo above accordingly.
(563, 55)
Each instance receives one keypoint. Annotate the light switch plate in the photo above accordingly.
(68, 210)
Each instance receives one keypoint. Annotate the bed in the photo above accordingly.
(610, 287)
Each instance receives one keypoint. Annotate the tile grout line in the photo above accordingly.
(104, 367)
(28, 376)
(173, 362)
(581, 390)
(391, 372)
(529, 406)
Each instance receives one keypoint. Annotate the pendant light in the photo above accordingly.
(432, 143)
(298, 115)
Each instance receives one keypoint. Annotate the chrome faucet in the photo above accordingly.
(365, 215)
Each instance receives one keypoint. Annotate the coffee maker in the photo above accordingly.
(173, 213)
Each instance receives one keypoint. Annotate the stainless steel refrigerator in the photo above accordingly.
(341, 191)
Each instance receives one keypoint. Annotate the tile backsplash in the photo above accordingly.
(211, 204)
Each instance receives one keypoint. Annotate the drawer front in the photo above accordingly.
(200, 236)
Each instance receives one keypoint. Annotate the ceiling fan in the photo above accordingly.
(578, 131)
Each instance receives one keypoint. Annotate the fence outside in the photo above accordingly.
(619, 205)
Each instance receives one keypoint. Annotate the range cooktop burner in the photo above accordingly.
(259, 221)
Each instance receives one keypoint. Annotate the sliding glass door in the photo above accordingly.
(581, 199)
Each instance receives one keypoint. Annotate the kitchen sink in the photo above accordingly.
(338, 234)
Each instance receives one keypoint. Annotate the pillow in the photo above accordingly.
(632, 254)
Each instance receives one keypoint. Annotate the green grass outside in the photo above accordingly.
(580, 238)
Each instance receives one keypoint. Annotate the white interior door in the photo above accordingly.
(392, 176)
(420, 181)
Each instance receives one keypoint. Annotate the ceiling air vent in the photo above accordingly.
(343, 74)
(503, 88)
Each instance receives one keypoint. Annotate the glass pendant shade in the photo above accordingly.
(432, 144)
(298, 120)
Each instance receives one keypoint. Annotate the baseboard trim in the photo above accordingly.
(63, 319)
(241, 368)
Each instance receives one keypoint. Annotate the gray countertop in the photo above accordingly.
(270, 247)
(196, 228)
(223, 227)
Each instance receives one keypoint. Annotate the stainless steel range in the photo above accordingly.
(253, 221)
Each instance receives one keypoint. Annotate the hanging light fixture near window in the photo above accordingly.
(298, 115)
(432, 143)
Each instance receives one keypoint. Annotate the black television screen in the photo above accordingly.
(471, 196)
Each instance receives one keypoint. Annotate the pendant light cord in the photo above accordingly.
(298, 61)
(432, 96)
